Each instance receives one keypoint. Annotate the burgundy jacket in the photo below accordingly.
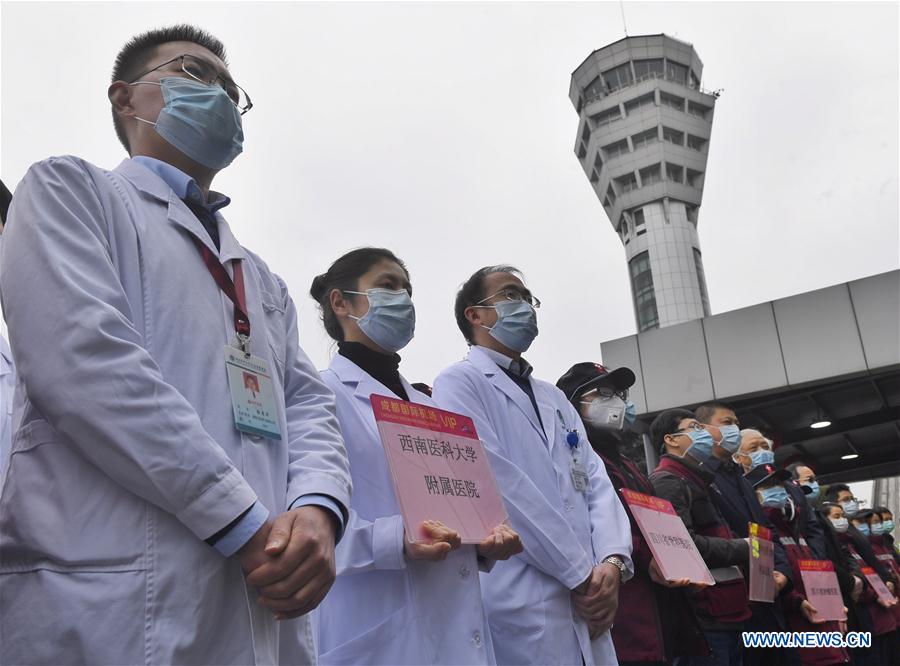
(654, 623)
(797, 549)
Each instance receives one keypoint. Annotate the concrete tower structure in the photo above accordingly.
(643, 140)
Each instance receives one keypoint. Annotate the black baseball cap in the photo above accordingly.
(766, 474)
(583, 376)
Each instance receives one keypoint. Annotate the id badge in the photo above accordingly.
(580, 477)
(252, 394)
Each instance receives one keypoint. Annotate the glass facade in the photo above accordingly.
(642, 289)
(617, 77)
(701, 278)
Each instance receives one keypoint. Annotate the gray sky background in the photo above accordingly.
(444, 132)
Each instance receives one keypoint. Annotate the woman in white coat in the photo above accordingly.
(394, 602)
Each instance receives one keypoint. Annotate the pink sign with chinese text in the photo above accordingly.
(821, 586)
(878, 585)
(439, 468)
(762, 564)
(668, 538)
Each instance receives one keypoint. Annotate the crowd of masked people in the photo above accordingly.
(720, 478)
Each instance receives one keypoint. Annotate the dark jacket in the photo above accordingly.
(735, 499)
(654, 623)
(807, 521)
(686, 486)
(786, 531)
(846, 568)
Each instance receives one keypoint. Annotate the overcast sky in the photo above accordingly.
(444, 132)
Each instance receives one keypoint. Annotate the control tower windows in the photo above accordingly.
(698, 109)
(672, 101)
(626, 183)
(642, 290)
(593, 89)
(613, 150)
(676, 72)
(610, 196)
(635, 104)
(675, 173)
(695, 142)
(648, 68)
(606, 117)
(695, 178)
(650, 175)
(673, 136)
(617, 77)
(644, 138)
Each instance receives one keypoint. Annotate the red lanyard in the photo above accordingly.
(233, 289)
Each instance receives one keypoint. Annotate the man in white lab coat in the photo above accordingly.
(155, 511)
(554, 603)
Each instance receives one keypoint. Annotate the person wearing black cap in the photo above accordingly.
(655, 622)
(799, 612)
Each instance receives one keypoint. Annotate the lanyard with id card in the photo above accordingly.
(249, 379)
(578, 469)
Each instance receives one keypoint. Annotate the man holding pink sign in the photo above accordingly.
(402, 595)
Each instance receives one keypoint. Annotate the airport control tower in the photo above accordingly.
(643, 140)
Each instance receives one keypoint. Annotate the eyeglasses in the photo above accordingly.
(695, 427)
(512, 294)
(604, 393)
(205, 72)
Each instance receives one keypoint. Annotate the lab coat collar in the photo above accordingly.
(364, 385)
(178, 213)
(503, 383)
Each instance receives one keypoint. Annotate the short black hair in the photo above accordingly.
(344, 274)
(666, 423)
(834, 490)
(826, 507)
(134, 57)
(792, 468)
(472, 291)
(882, 509)
(705, 411)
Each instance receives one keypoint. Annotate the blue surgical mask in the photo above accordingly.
(391, 320)
(630, 412)
(851, 508)
(863, 529)
(775, 496)
(200, 120)
(762, 457)
(516, 326)
(701, 445)
(814, 487)
(888, 526)
(877, 529)
(840, 524)
(731, 438)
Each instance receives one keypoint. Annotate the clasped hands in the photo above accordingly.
(596, 599)
(290, 561)
(501, 544)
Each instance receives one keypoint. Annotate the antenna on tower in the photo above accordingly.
(624, 26)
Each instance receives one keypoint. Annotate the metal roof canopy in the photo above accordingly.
(831, 354)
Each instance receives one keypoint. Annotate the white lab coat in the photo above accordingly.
(7, 384)
(565, 532)
(125, 457)
(383, 609)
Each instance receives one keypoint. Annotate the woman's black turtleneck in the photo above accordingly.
(382, 367)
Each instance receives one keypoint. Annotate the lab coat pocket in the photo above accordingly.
(391, 641)
(102, 616)
(58, 508)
